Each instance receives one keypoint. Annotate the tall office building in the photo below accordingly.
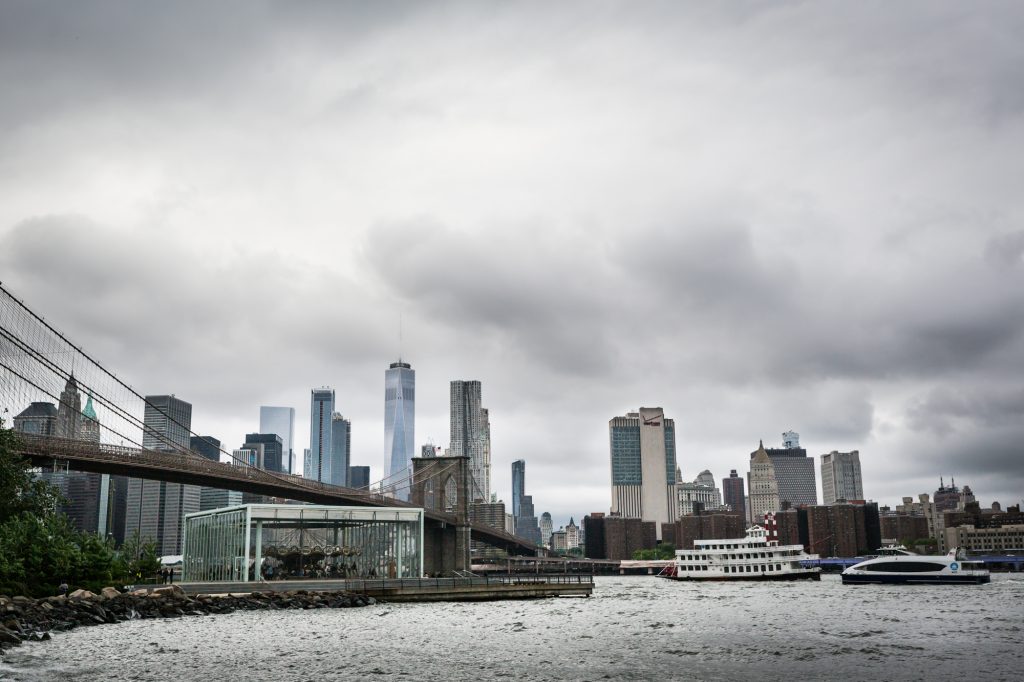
(485, 448)
(733, 495)
(643, 463)
(518, 484)
(840, 477)
(269, 448)
(245, 457)
(318, 463)
(703, 478)
(359, 477)
(794, 471)
(700, 496)
(156, 509)
(546, 528)
(207, 446)
(399, 423)
(87, 497)
(526, 523)
(212, 498)
(762, 486)
(341, 449)
(69, 411)
(281, 421)
(469, 434)
(89, 423)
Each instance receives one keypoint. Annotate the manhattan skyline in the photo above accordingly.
(760, 219)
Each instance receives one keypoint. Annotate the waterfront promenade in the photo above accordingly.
(469, 588)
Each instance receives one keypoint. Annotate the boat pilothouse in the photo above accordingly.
(896, 565)
(754, 557)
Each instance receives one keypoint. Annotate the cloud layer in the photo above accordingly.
(760, 217)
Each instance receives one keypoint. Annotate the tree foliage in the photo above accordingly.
(40, 549)
(20, 492)
(662, 552)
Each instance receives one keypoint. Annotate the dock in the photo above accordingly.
(475, 588)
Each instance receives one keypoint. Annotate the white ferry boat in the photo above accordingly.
(753, 557)
(897, 565)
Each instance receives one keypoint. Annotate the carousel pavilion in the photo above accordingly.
(294, 541)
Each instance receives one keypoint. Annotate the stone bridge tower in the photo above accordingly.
(442, 484)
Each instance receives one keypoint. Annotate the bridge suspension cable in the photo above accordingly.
(39, 361)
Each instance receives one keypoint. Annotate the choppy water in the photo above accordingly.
(632, 628)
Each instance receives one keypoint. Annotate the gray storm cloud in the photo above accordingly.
(760, 217)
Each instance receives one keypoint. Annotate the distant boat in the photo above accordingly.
(753, 557)
(895, 565)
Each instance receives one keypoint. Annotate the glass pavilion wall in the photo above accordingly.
(287, 541)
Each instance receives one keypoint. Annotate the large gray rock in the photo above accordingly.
(81, 594)
(169, 591)
(110, 593)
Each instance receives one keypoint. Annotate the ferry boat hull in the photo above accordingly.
(897, 566)
(753, 577)
(891, 579)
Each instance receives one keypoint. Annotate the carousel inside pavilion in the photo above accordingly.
(295, 542)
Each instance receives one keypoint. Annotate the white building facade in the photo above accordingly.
(840, 477)
(643, 464)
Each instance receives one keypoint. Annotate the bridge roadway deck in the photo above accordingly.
(176, 467)
(480, 588)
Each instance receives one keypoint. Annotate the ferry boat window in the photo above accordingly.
(905, 567)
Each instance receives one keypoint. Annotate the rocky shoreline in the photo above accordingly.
(32, 620)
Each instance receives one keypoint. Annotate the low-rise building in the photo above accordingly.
(697, 496)
(985, 531)
(901, 528)
(615, 537)
(840, 530)
(716, 525)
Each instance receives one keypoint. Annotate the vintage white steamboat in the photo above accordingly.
(754, 557)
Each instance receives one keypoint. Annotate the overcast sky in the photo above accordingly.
(759, 216)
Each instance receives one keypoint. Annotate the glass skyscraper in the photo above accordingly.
(399, 425)
(470, 433)
(270, 451)
(341, 449)
(318, 464)
(281, 420)
(518, 485)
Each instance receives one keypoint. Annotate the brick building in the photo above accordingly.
(898, 527)
(840, 530)
(703, 526)
(615, 537)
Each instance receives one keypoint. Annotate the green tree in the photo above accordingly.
(137, 561)
(20, 491)
(39, 548)
(662, 552)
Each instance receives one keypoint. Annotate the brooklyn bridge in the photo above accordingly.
(37, 362)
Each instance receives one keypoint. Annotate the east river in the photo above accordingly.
(636, 628)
